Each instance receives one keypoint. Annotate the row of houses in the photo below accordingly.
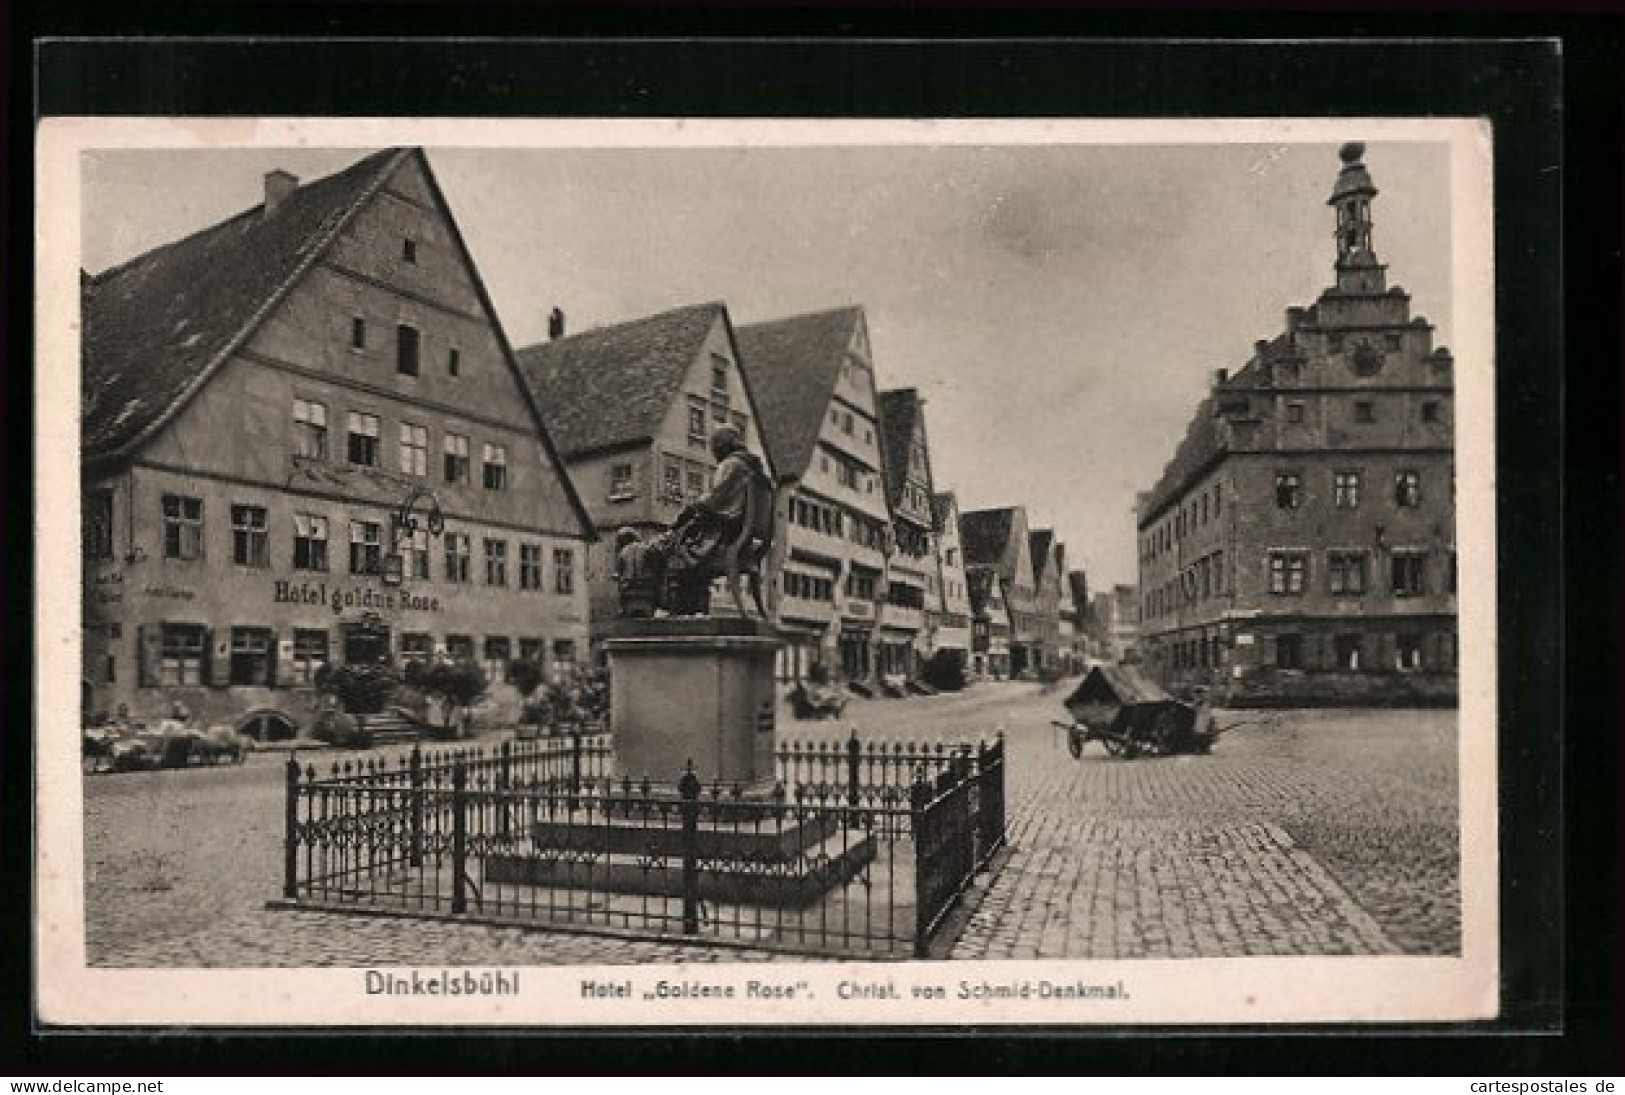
(306, 440)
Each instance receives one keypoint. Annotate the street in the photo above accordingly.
(1305, 832)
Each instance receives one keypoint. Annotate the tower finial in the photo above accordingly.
(1351, 152)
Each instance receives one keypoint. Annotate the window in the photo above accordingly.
(409, 250)
(1346, 489)
(1410, 573)
(414, 450)
(496, 562)
(250, 545)
(1430, 410)
(564, 658)
(366, 547)
(620, 482)
(310, 429)
(1288, 571)
(1392, 341)
(181, 655)
(846, 474)
(498, 653)
(1346, 571)
(564, 576)
(457, 556)
(415, 552)
(1218, 497)
(1364, 411)
(183, 527)
(98, 525)
(363, 439)
(309, 542)
(1407, 489)
(1450, 573)
(455, 448)
(454, 362)
(719, 375)
(1289, 651)
(358, 333)
(1288, 490)
(494, 461)
(309, 655)
(460, 648)
(1294, 413)
(416, 646)
(1349, 652)
(1407, 651)
(696, 481)
(406, 350)
(1204, 509)
(250, 655)
(741, 422)
(719, 408)
(532, 650)
(696, 422)
(671, 480)
(530, 566)
(846, 423)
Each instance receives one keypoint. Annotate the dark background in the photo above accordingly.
(1552, 88)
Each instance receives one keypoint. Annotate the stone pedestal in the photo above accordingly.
(697, 689)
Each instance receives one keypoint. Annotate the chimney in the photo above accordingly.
(1220, 376)
(279, 186)
(555, 323)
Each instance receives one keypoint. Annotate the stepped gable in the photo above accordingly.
(157, 326)
(792, 366)
(611, 387)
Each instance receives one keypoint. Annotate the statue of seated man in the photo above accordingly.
(674, 570)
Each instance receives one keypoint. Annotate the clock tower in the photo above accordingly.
(1358, 270)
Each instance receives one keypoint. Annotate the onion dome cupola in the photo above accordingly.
(1358, 270)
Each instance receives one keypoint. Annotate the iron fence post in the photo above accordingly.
(459, 838)
(688, 786)
(919, 800)
(415, 806)
(575, 759)
(852, 750)
(290, 840)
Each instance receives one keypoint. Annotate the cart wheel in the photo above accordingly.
(1074, 744)
(1114, 746)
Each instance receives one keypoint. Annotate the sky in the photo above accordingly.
(1061, 307)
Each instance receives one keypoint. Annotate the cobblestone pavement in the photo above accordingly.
(1316, 832)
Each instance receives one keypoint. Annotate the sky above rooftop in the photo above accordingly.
(1061, 307)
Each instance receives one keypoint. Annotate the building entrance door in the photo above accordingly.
(366, 643)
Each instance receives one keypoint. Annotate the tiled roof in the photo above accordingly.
(899, 409)
(792, 366)
(156, 326)
(985, 535)
(613, 386)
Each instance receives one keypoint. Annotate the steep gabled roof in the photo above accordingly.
(899, 411)
(792, 365)
(985, 535)
(157, 326)
(613, 386)
(1040, 542)
(943, 508)
(1077, 583)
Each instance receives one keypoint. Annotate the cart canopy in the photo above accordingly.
(1116, 686)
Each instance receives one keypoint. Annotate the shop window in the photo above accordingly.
(1289, 651)
(530, 566)
(416, 646)
(366, 547)
(1288, 490)
(564, 576)
(495, 467)
(1407, 651)
(460, 648)
(362, 443)
(310, 429)
(182, 650)
(1289, 572)
(407, 344)
(98, 525)
(1407, 489)
(250, 656)
(414, 449)
(1346, 489)
(250, 542)
(1349, 650)
(457, 555)
(309, 541)
(1409, 573)
(183, 527)
(455, 451)
(496, 562)
(1346, 571)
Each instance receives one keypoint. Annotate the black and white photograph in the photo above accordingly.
(854, 572)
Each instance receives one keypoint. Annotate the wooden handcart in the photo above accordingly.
(1132, 716)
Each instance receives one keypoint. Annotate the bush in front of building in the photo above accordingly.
(452, 686)
(341, 730)
(526, 675)
(576, 704)
(359, 689)
(945, 670)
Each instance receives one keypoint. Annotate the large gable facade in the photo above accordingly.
(305, 441)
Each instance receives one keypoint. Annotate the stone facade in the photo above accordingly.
(1301, 545)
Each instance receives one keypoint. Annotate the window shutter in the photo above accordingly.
(147, 653)
(209, 667)
(270, 659)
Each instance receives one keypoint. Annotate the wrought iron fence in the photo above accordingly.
(546, 836)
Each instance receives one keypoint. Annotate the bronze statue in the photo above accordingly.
(726, 532)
